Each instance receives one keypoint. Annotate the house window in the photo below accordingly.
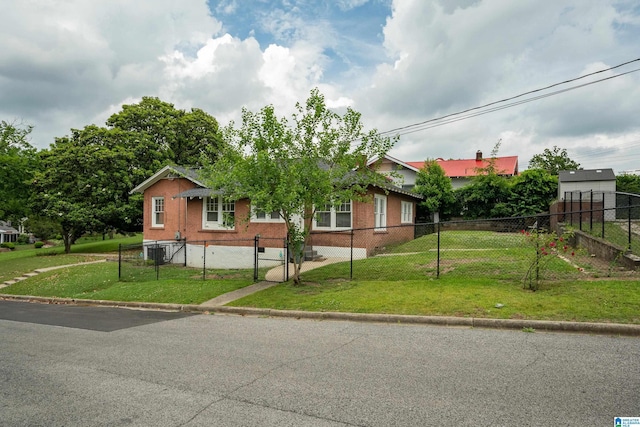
(323, 217)
(262, 216)
(218, 214)
(380, 211)
(328, 217)
(157, 214)
(407, 212)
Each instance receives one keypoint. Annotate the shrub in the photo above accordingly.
(23, 239)
(8, 245)
(38, 245)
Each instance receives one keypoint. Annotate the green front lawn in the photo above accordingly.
(593, 301)
(177, 285)
(403, 281)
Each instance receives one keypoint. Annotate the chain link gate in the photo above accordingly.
(271, 256)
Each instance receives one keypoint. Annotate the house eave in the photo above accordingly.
(165, 172)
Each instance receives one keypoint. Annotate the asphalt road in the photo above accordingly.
(88, 366)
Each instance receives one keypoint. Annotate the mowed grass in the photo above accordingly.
(601, 301)
(27, 259)
(177, 285)
(478, 271)
(472, 282)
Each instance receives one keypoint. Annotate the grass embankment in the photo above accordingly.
(479, 271)
(100, 281)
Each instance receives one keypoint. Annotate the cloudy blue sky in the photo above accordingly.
(69, 63)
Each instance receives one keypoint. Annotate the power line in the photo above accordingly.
(427, 124)
(430, 123)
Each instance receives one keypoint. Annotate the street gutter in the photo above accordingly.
(471, 322)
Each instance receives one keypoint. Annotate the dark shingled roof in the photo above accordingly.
(196, 192)
(587, 175)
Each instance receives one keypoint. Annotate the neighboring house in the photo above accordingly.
(8, 233)
(460, 171)
(576, 187)
(178, 208)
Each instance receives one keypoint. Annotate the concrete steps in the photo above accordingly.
(312, 255)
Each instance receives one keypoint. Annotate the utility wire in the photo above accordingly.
(427, 124)
(430, 123)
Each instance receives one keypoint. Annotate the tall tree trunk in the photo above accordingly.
(68, 239)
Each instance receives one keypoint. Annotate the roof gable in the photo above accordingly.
(407, 165)
(168, 172)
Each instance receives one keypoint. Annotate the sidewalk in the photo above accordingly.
(237, 294)
(276, 274)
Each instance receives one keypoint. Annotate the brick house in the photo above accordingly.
(182, 212)
(460, 171)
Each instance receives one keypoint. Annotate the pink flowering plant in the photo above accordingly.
(548, 245)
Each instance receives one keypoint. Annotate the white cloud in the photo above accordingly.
(72, 63)
(444, 58)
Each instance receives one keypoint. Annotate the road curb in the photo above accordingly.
(471, 322)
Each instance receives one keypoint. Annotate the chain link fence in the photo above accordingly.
(521, 249)
(584, 236)
(204, 259)
(611, 216)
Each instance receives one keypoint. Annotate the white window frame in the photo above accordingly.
(407, 212)
(380, 212)
(155, 203)
(222, 210)
(258, 215)
(343, 208)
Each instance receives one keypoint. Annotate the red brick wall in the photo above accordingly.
(185, 216)
(174, 215)
(363, 218)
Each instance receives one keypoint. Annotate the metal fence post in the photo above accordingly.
(438, 252)
(629, 221)
(156, 260)
(591, 213)
(351, 266)
(204, 260)
(286, 258)
(604, 212)
(256, 240)
(580, 211)
(119, 261)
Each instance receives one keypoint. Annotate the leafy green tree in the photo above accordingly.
(42, 227)
(317, 159)
(19, 161)
(86, 177)
(530, 193)
(627, 183)
(436, 187)
(483, 198)
(84, 183)
(166, 134)
(553, 161)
